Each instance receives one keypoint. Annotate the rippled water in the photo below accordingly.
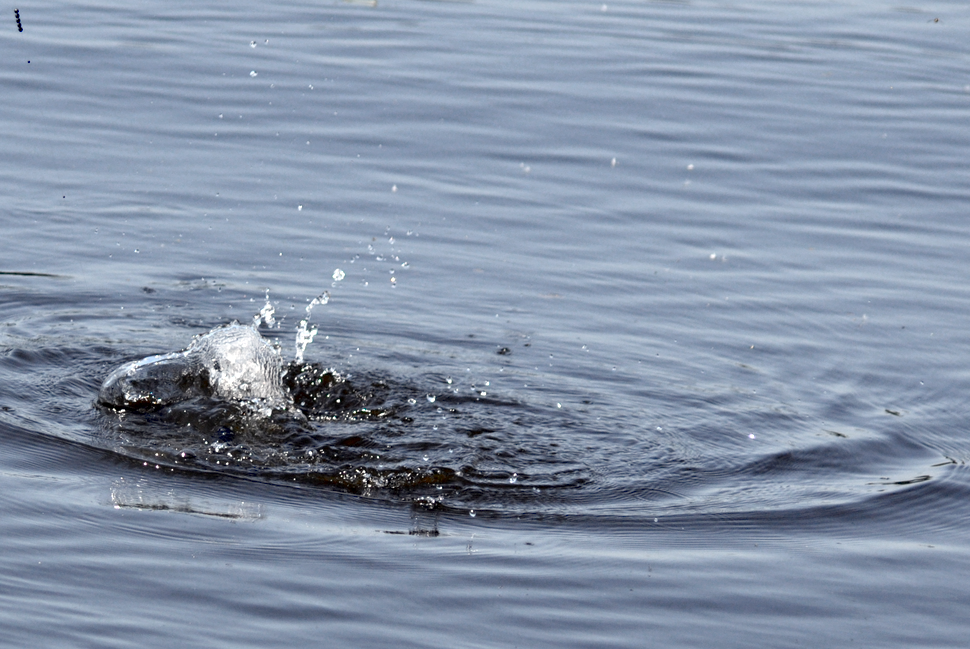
(644, 323)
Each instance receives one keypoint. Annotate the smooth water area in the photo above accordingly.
(558, 324)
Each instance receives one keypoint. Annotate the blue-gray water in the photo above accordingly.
(653, 318)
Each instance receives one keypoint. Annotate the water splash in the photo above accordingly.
(231, 363)
(304, 332)
(266, 315)
(230, 403)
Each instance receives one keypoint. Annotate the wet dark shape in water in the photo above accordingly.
(229, 403)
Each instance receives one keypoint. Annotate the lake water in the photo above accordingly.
(646, 323)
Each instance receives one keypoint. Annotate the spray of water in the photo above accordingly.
(266, 314)
(304, 332)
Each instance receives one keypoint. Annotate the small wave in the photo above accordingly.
(229, 405)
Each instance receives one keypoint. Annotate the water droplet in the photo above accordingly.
(448, 380)
(425, 457)
(252, 43)
(558, 405)
(751, 436)
(613, 162)
(431, 398)
(393, 188)
(690, 167)
(252, 73)
(471, 512)
(265, 314)
(299, 208)
(514, 478)
(338, 275)
(305, 334)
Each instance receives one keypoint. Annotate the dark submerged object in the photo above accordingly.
(228, 403)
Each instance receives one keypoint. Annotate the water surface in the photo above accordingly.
(649, 325)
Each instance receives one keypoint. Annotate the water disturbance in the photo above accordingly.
(229, 403)
(492, 323)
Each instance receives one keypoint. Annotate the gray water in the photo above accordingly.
(646, 323)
